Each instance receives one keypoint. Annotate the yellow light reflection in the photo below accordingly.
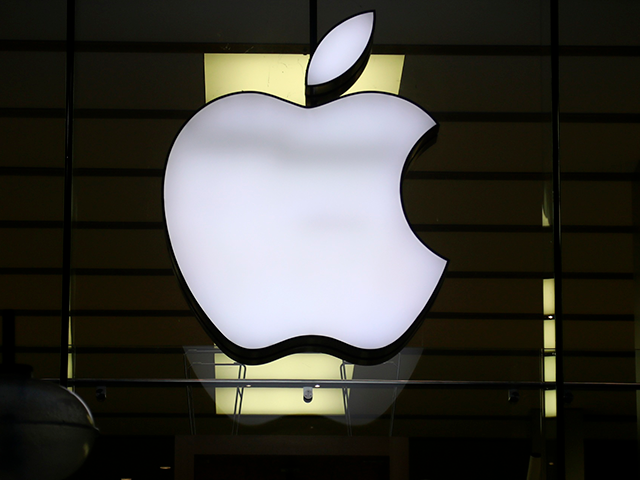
(550, 369)
(550, 405)
(548, 296)
(549, 344)
(71, 364)
(283, 401)
(284, 75)
(545, 219)
(549, 334)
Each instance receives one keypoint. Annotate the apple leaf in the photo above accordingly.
(339, 59)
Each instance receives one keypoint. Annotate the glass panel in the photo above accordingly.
(32, 98)
(481, 197)
(599, 162)
(487, 321)
(599, 205)
(604, 423)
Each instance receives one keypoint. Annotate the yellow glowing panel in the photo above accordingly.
(548, 296)
(383, 74)
(550, 405)
(550, 369)
(284, 75)
(549, 334)
(283, 401)
(545, 219)
(279, 75)
(70, 357)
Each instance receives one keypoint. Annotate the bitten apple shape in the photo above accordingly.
(286, 223)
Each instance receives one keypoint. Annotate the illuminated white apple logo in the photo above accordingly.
(286, 223)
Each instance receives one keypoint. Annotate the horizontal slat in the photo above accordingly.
(410, 175)
(81, 350)
(129, 113)
(439, 315)
(417, 227)
(193, 47)
(159, 272)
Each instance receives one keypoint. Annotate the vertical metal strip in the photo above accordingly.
(313, 26)
(557, 236)
(68, 184)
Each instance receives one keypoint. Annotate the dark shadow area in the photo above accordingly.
(452, 459)
(134, 457)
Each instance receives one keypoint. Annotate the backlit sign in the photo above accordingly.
(286, 223)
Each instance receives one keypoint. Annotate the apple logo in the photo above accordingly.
(285, 223)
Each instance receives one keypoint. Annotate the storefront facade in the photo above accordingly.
(474, 390)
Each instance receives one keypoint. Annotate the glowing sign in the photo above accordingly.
(286, 223)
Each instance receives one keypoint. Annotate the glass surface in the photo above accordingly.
(599, 194)
(32, 95)
(599, 239)
(481, 197)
